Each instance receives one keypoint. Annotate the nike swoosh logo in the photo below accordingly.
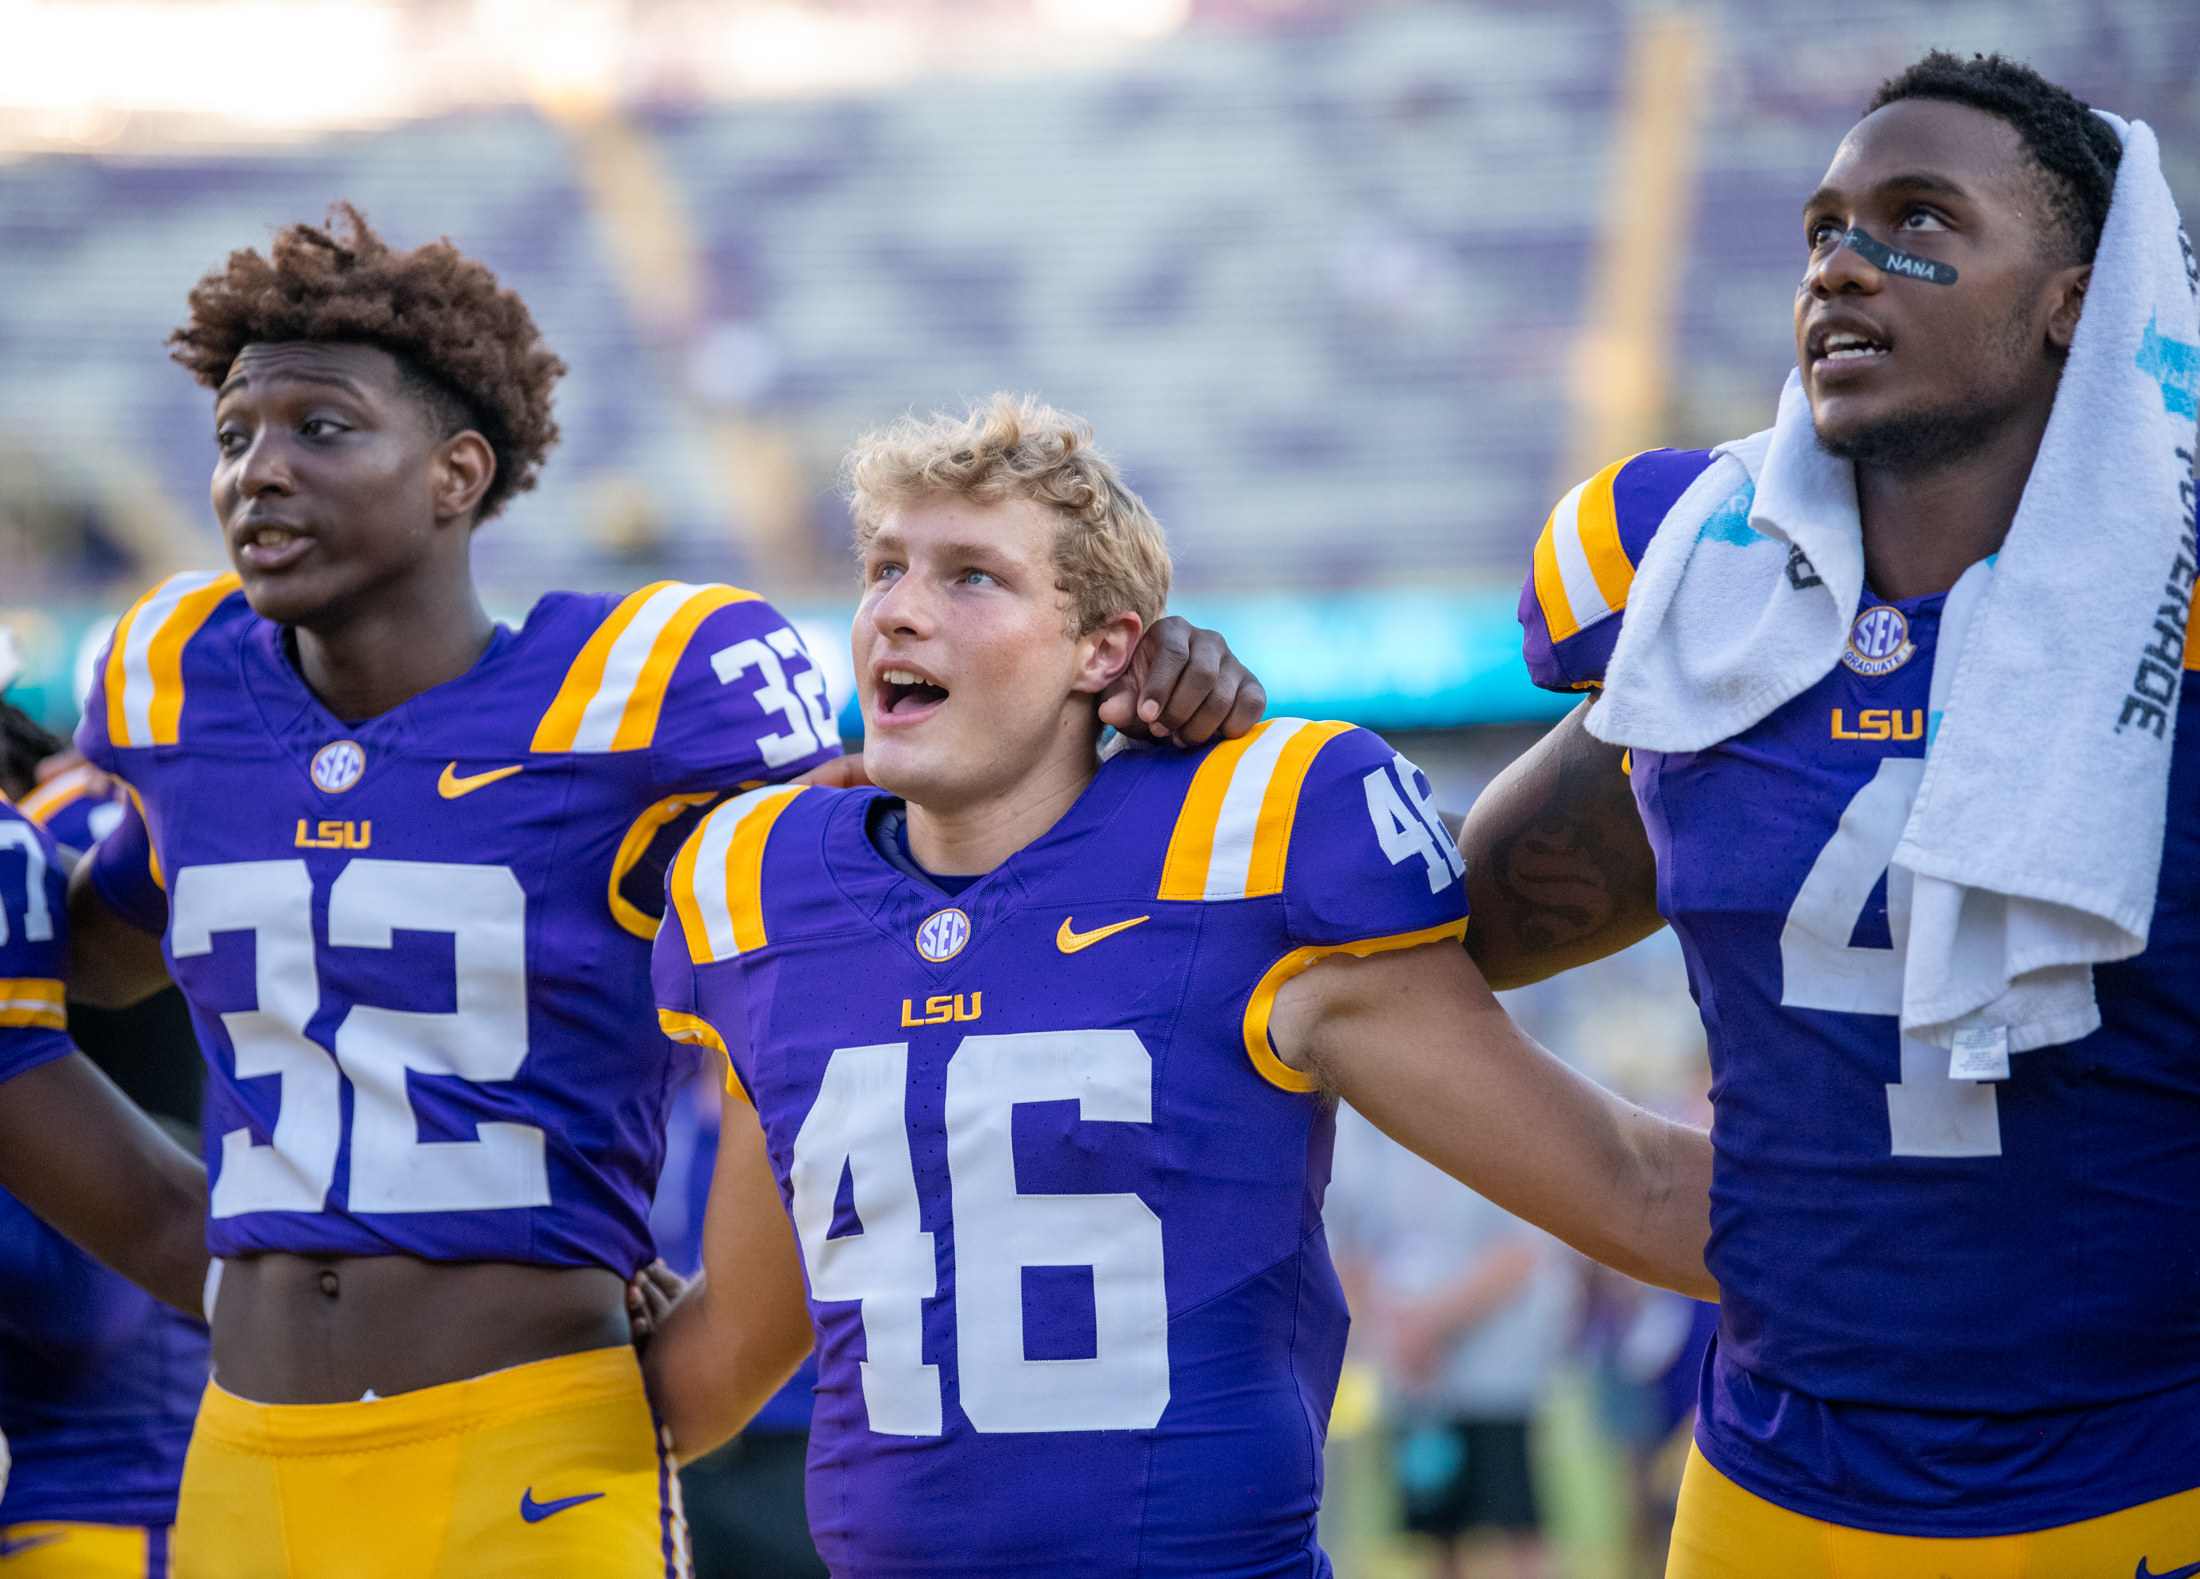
(535, 1512)
(2185, 1572)
(1070, 942)
(450, 786)
(11, 1547)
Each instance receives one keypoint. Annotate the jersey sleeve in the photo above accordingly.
(126, 875)
(1370, 862)
(1585, 559)
(720, 1023)
(713, 682)
(34, 946)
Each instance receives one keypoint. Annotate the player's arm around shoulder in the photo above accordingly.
(1558, 867)
(1559, 870)
(1381, 1008)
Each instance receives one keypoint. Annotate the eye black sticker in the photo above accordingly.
(1888, 261)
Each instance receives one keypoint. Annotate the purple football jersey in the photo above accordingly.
(1950, 1307)
(1059, 1203)
(78, 809)
(34, 945)
(99, 1384)
(410, 943)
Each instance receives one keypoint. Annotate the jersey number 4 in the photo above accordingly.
(1928, 1115)
(857, 1127)
(484, 911)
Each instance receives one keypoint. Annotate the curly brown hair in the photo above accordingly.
(465, 345)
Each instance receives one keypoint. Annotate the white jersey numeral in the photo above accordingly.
(1419, 832)
(37, 914)
(858, 1125)
(999, 1231)
(801, 701)
(272, 900)
(485, 1039)
(1928, 1115)
(855, 1127)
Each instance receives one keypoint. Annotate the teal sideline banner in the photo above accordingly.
(1430, 658)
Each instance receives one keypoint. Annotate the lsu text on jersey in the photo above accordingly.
(1951, 1308)
(415, 949)
(1058, 1201)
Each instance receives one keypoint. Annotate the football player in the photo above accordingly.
(1034, 1050)
(1960, 1334)
(399, 857)
(99, 1381)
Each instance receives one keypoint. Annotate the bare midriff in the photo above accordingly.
(298, 1329)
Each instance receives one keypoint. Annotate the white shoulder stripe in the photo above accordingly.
(138, 685)
(1229, 869)
(622, 670)
(1583, 595)
(715, 904)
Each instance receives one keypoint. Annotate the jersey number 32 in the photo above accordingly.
(484, 911)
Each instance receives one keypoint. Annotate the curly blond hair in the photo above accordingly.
(1110, 555)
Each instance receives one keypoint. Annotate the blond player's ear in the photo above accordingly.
(1105, 651)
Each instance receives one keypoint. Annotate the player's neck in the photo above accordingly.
(1924, 527)
(961, 837)
(383, 649)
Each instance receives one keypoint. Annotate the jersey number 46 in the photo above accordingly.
(857, 1126)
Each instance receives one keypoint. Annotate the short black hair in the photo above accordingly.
(2075, 149)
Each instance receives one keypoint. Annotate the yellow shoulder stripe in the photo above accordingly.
(1263, 1003)
(631, 850)
(615, 689)
(64, 790)
(1234, 832)
(144, 678)
(32, 1001)
(693, 1028)
(2192, 635)
(1581, 569)
(717, 880)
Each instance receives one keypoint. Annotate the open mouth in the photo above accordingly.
(271, 547)
(1847, 347)
(902, 690)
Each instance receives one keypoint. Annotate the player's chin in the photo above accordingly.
(289, 596)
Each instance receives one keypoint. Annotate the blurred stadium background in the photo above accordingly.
(1352, 288)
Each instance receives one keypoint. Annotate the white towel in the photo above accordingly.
(2036, 836)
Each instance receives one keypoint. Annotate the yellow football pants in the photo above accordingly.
(550, 1469)
(1723, 1532)
(49, 1549)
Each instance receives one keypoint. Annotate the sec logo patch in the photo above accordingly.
(1879, 641)
(943, 935)
(336, 767)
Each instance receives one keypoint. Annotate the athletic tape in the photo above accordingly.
(1888, 261)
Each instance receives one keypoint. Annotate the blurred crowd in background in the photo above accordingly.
(1352, 289)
